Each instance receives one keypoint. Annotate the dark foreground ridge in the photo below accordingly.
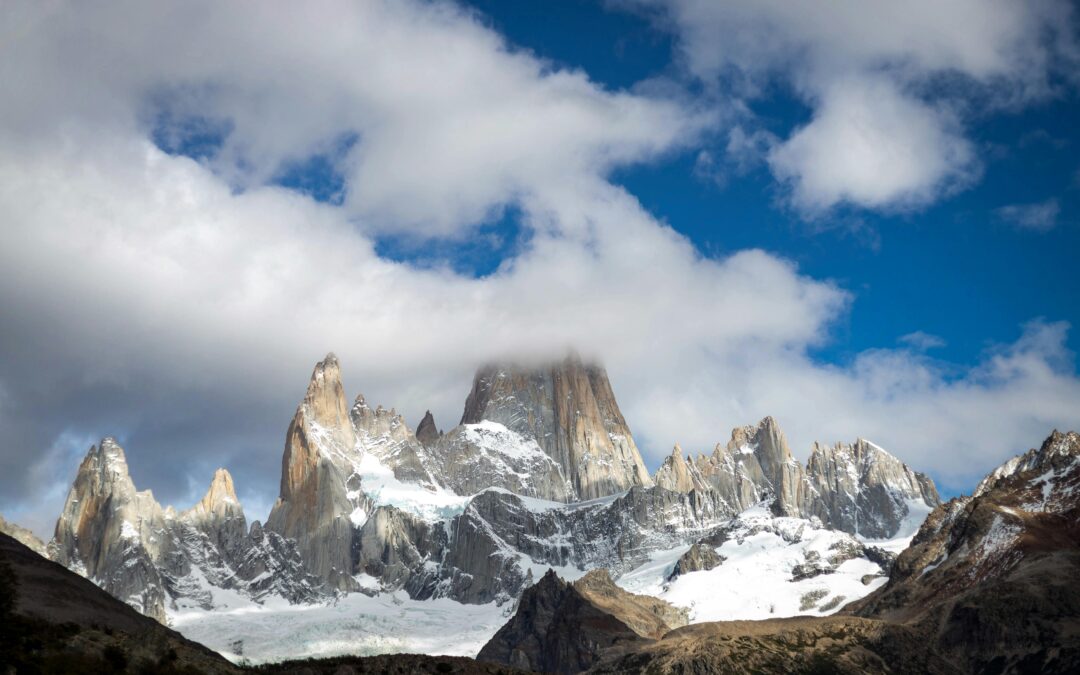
(55, 621)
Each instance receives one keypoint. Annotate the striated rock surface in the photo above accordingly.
(858, 488)
(569, 409)
(862, 489)
(473, 457)
(316, 500)
(399, 549)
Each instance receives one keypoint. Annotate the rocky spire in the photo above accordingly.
(313, 507)
(106, 526)
(677, 474)
(219, 514)
(782, 473)
(569, 408)
(426, 432)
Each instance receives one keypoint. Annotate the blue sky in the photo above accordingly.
(860, 218)
(953, 269)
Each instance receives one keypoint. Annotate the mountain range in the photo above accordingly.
(542, 481)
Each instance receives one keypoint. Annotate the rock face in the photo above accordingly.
(864, 490)
(678, 474)
(556, 629)
(647, 616)
(315, 502)
(701, 556)
(991, 577)
(858, 488)
(473, 457)
(426, 432)
(500, 536)
(151, 557)
(23, 536)
(384, 434)
(569, 409)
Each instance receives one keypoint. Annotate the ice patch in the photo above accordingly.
(355, 625)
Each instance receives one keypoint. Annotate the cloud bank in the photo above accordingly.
(180, 303)
(888, 85)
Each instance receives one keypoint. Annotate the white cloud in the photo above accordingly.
(871, 146)
(144, 296)
(1037, 217)
(883, 79)
(451, 122)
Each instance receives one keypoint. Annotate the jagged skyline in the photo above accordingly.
(198, 204)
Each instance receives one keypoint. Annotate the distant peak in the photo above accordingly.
(426, 432)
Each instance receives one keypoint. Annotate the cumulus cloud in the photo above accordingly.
(450, 122)
(180, 304)
(1037, 217)
(872, 146)
(884, 82)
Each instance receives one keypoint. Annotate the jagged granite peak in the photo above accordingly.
(1056, 445)
(220, 499)
(569, 408)
(677, 474)
(385, 434)
(858, 488)
(779, 466)
(426, 432)
(107, 531)
(151, 557)
(861, 488)
(314, 503)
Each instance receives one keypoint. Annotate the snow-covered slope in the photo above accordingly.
(769, 567)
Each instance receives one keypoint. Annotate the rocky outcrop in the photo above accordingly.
(23, 536)
(700, 556)
(396, 548)
(677, 474)
(556, 629)
(991, 578)
(384, 434)
(569, 409)
(858, 488)
(108, 531)
(426, 432)
(862, 489)
(647, 616)
(152, 557)
(474, 457)
(756, 465)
